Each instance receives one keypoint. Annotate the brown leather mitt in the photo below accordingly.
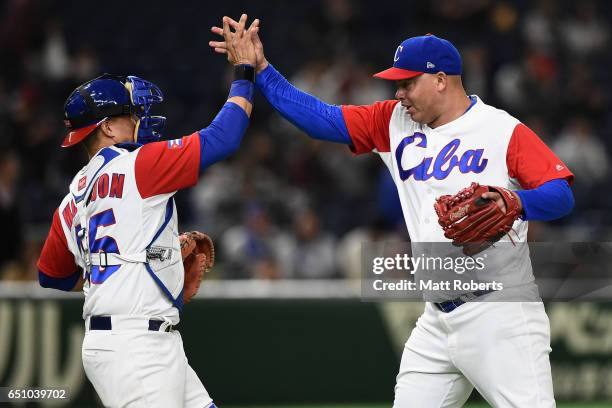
(473, 222)
(198, 254)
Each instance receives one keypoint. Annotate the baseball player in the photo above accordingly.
(115, 233)
(436, 140)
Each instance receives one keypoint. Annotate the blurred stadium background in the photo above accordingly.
(280, 321)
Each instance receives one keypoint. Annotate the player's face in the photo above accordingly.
(418, 96)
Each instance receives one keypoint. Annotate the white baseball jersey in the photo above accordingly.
(484, 145)
(131, 226)
(500, 347)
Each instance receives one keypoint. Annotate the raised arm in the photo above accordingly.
(223, 136)
(316, 118)
(168, 166)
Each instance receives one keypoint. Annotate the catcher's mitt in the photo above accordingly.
(473, 222)
(198, 254)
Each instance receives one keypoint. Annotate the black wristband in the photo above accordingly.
(244, 71)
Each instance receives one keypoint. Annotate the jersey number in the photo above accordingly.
(103, 244)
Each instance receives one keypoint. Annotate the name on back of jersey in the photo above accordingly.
(105, 186)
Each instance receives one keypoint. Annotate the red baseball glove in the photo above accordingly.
(198, 254)
(473, 222)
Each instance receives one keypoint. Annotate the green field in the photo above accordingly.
(475, 405)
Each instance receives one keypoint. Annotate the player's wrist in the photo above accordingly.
(262, 66)
(244, 71)
(242, 88)
(518, 201)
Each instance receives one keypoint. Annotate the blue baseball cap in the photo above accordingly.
(425, 54)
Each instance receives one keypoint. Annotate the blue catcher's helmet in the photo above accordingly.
(109, 95)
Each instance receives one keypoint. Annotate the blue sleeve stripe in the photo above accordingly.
(311, 115)
(66, 284)
(552, 200)
(223, 136)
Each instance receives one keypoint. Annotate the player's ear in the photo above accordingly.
(441, 81)
(107, 129)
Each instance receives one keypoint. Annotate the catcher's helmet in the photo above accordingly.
(109, 95)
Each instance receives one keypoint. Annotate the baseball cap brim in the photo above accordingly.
(396, 74)
(77, 135)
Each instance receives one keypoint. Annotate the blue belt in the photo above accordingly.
(104, 323)
(451, 305)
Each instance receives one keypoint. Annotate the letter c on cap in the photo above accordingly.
(396, 57)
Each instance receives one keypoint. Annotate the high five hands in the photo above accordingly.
(240, 46)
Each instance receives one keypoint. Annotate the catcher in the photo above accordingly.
(115, 233)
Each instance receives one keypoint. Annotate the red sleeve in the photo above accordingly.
(55, 259)
(164, 167)
(531, 162)
(368, 125)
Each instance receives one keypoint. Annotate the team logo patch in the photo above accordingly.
(175, 144)
(82, 183)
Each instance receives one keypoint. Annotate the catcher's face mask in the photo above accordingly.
(143, 94)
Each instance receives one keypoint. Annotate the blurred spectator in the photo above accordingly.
(55, 59)
(584, 95)
(215, 195)
(257, 248)
(359, 87)
(503, 39)
(579, 147)
(475, 67)
(320, 79)
(583, 152)
(584, 31)
(508, 85)
(540, 26)
(331, 27)
(85, 65)
(315, 253)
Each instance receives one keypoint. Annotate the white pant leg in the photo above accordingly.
(101, 355)
(195, 395)
(503, 349)
(140, 369)
(425, 390)
(427, 376)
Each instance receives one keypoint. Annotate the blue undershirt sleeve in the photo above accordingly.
(223, 136)
(311, 115)
(66, 284)
(553, 199)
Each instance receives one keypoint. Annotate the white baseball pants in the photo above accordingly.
(133, 367)
(501, 348)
